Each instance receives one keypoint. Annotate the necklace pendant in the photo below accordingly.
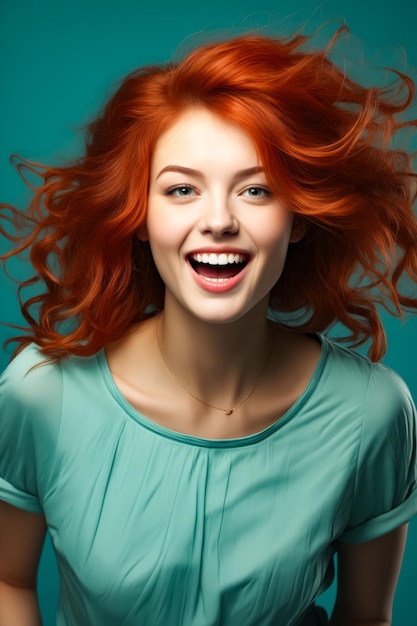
(229, 412)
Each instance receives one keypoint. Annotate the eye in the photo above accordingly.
(181, 191)
(256, 191)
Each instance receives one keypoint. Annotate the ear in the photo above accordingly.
(298, 230)
(142, 233)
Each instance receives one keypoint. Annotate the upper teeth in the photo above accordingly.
(218, 259)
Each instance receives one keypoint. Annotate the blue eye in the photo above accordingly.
(181, 191)
(257, 192)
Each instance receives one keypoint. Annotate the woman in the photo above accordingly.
(196, 462)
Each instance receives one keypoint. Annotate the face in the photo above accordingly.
(219, 236)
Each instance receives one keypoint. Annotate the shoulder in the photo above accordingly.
(382, 383)
(388, 394)
(390, 413)
(33, 384)
(30, 402)
(30, 419)
(30, 379)
(386, 402)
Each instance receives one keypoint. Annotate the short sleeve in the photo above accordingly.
(30, 408)
(385, 494)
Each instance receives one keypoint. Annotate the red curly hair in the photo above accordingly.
(326, 143)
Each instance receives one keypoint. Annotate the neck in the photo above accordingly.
(219, 363)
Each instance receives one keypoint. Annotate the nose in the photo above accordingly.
(218, 218)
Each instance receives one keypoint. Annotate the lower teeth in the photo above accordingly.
(217, 274)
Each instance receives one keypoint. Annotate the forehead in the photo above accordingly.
(199, 135)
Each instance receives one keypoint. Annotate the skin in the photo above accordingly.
(21, 540)
(219, 202)
(224, 205)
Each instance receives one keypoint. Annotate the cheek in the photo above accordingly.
(166, 228)
(273, 235)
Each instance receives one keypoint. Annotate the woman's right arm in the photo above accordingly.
(22, 535)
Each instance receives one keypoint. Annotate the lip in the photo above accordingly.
(215, 285)
(219, 250)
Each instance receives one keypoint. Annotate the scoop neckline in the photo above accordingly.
(192, 440)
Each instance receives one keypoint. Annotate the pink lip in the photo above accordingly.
(219, 250)
(218, 286)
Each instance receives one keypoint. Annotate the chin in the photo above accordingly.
(223, 315)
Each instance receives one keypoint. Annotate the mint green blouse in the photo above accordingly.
(154, 527)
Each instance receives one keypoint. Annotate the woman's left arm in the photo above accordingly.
(367, 577)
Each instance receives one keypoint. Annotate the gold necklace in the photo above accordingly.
(213, 406)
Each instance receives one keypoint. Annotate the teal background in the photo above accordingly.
(58, 63)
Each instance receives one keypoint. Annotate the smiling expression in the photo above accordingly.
(219, 236)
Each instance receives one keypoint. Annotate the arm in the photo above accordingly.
(367, 578)
(21, 539)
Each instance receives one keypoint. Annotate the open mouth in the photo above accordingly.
(218, 266)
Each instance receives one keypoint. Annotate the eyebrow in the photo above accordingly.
(250, 171)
